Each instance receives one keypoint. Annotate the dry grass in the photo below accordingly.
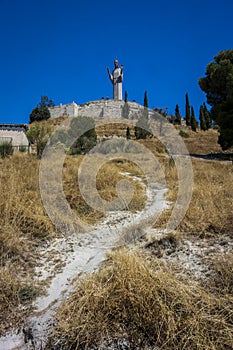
(211, 205)
(201, 142)
(221, 281)
(15, 298)
(23, 219)
(127, 298)
(210, 209)
(23, 225)
(106, 180)
(145, 305)
(117, 129)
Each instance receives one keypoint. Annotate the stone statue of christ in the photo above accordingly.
(116, 78)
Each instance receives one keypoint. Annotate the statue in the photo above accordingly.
(116, 78)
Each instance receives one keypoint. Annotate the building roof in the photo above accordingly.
(14, 127)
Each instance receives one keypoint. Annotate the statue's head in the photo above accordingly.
(116, 63)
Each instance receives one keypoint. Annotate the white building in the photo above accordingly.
(15, 134)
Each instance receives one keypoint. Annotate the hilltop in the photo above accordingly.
(154, 289)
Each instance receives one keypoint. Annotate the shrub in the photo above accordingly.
(184, 134)
(6, 149)
(22, 148)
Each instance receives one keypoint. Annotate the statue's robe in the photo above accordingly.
(117, 77)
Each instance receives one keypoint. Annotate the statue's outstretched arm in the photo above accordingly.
(110, 75)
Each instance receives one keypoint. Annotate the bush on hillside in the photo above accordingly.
(6, 149)
(184, 134)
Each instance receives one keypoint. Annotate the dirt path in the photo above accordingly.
(73, 255)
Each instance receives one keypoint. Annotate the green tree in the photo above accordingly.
(218, 86)
(202, 119)
(177, 115)
(207, 117)
(194, 123)
(39, 134)
(225, 121)
(41, 111)
(145, 103)
(187, 110)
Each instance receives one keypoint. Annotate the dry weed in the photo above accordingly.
(144, 304)
(14, 298)
(106, 184)
(201, 142)
(211, 205)
(221, 279)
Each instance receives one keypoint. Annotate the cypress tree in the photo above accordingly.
(187, 110)
(126, 97)
(193, 120)
(202, 119)
(145, 104)
(207, 117)
(177, 115)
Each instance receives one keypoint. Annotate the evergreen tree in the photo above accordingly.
(207, 117)
(145, 104)
(218, 86)
(202, 119)
(177, 115)
(41, 112)
(126, 97)
(187, 110)
(193, 120)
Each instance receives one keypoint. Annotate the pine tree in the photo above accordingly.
(145, 104)
(193, 120)
(202, 119)
(187, 110)
(177, 115)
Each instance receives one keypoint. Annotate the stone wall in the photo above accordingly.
(100, 109)
(64, 110)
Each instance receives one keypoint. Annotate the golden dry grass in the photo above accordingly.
(106, 180)
(145, 304)
(127, 298)
(24, 223)
(150, 304)
(211, 205)
(15, 298)
(117, 129)
(221, 281)
(23, 218)
(210, 209)
(201, 142)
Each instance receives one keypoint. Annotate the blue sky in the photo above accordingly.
(62, 48)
